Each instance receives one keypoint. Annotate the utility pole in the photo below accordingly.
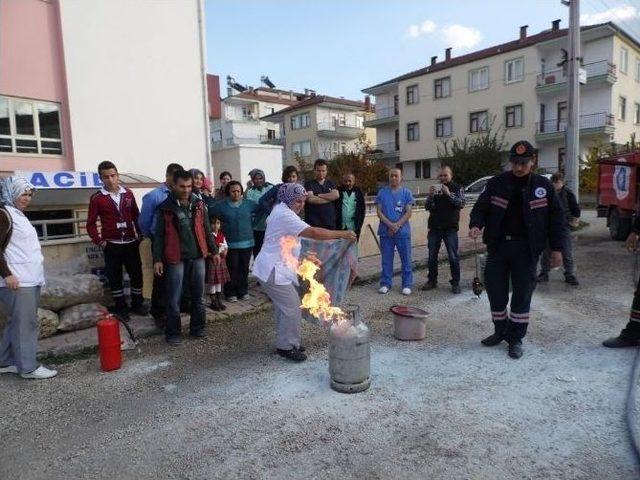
(572, 139)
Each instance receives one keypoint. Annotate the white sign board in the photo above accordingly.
(62, 180)
(582, 76)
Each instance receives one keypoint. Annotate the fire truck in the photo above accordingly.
(618, 193)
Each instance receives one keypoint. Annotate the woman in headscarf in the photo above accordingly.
(22, 276)
(277, 277)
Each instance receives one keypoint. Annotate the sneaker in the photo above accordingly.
(232, 299)
(429, 286)
(455, 288)
(244, 297)
(383, 290)
(572, 280)
(174, 340)
(294, 354)
(620, 342)
(9, 369)
(406, 291)
(40, 373)
(543, 277)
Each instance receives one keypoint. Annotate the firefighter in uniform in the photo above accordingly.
(630, 335)
(519, 212)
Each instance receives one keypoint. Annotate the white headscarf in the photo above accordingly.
(12, 187)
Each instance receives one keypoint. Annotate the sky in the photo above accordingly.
(340, 47)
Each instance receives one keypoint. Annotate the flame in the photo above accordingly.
(317, 300)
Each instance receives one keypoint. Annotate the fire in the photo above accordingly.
(317, 300)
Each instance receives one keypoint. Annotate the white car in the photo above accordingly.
(474, 189)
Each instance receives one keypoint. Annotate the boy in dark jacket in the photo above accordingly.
(116, 208)
(350, 206)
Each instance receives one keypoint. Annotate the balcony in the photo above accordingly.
(555, 81)
(383, 116)
(601, 123)
(345, 131)
(385, 151)
(258, 140)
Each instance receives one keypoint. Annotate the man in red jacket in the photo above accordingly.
(118, 212)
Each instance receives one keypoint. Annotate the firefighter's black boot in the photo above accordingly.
(629, 337)
(498, 336)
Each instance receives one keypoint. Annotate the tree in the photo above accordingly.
(474, 156)
(369, 172)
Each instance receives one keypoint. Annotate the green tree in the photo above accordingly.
(474, 156)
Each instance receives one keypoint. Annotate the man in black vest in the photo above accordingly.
(444, 203)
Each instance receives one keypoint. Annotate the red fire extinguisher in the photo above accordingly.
(109, 343)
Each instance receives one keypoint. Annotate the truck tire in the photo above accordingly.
(619, 227)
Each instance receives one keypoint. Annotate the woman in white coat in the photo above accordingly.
(277, 277)
(21, 277)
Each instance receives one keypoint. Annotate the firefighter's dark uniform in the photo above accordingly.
(519, 216)
(630, 335)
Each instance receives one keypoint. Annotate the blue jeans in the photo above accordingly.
(191, 272)
(434, 239)
(388, 245)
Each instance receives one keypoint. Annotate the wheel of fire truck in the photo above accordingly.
(619, 227)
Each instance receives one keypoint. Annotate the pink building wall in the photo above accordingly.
(32, 66)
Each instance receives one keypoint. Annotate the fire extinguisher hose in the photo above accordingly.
(127, 328)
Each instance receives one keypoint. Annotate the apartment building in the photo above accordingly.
(322, 127)
(519, 86)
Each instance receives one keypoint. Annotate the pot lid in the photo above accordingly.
(406, 311)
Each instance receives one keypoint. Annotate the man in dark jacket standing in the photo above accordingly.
(181, 242)
(444, 202)
(350, 206)
(519, 212)
(571, 211)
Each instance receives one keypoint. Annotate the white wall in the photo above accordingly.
(135, 80)
(240, 160)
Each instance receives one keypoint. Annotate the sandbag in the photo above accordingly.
(81, 316)
(65, 291)
(47, 323)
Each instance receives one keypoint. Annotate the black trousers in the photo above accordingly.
(632, 330)
(510, 261)
(127, 255)
(258, 240)
(238, 264)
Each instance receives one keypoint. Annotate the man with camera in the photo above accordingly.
(444, 202)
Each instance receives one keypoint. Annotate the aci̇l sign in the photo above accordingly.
(62, 180)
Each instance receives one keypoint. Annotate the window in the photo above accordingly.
(513, 116)
(396, 104)
(271, 134)
(563, 116)
(359, 121)
(54, 230)
(247, 113)
(514, 70)
(479, 79)
(636, 114)
(637, 69)
(396, 139)
(444, 127)
(30, 127)
(423, 169)
(624, 60)
(478, 121)
(302, 149)
(412, 95)
(622, 108)
(300, 121)
(413, 132)
(338, 119)
(561, 158)
(442, 87)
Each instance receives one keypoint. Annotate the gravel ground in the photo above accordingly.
(444, 408)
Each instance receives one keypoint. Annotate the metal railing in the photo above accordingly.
(554, 77)
(388, 147)
(594, 120)
(385, 112)
(77, 227)
(336, 126)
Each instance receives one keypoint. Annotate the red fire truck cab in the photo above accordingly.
(618, 192)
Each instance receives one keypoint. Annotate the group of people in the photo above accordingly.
(203, 238)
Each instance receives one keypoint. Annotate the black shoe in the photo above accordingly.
(141, 309)
(198, 334)
(571, 280)
(221, 305)
(515, 349)
(295, 354)
(214, 304)
(455, 288)
(174, 340)
(543, 277)
(492, 340)
(620, 342)
(430, 286)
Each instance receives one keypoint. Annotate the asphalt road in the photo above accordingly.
(228, 407)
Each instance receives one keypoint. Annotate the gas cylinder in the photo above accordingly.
(349, 353)
(109, 343)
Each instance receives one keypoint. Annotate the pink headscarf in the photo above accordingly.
(207, 184)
